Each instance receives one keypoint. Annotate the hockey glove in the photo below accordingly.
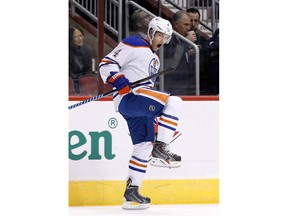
(120, 82)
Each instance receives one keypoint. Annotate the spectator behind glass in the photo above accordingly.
(195, 22)
(80, 56)
(211, 50)
(201, 41)
(139, 22)
(182, 80)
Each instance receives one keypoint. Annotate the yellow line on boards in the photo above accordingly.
(188, 191)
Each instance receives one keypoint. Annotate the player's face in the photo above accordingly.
(158, 40)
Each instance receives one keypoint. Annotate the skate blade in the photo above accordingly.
(162, 163)
(135, 206)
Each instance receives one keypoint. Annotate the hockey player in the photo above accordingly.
(135, 58)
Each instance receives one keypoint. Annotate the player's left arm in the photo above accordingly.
(110, 68)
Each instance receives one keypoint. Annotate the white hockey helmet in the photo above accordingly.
(161, 25)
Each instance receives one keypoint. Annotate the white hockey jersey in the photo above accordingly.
(134, 58)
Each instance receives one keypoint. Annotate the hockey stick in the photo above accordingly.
(176, 135)
(177, 57)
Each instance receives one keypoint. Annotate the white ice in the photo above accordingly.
(154, 210)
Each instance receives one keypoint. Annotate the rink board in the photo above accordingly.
(191, 191)
(100, 148)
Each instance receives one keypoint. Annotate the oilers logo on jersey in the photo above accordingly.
(153, 67)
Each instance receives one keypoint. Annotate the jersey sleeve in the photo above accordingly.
(125, 54)
(114, 60)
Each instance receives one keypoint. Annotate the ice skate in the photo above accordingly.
(163, 157)
(133, 200)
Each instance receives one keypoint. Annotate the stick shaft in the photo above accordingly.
(114, 90)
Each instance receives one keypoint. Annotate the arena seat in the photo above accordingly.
(107, 87)
(88, 85)
(71, 87)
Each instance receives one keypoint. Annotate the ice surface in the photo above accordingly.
(154, 210)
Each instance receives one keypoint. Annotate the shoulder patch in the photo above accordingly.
(135, 41)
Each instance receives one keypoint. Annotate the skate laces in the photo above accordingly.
(166, 149)
(136, 191)
(142, 197)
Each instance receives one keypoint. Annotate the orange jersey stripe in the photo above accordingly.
(106, 61)
(163, 97)
(167, 121)
(137, 164)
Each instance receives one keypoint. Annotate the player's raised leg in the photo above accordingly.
(161, 154)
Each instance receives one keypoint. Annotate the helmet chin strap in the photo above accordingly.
(151, 39)
(148, 34)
